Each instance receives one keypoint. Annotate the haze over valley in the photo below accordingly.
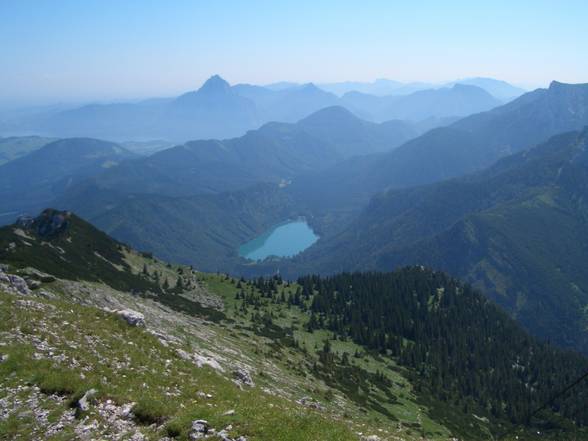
(355, 238)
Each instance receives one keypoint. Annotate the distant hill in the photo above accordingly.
(459, 100)
(498, 89)
(379, 87)
(277, 152)
(352, 136)
(15, 147)
(30, 182)
(517, 231)
(298, 102)
(273, 153)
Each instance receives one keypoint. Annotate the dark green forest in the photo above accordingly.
(460, 348)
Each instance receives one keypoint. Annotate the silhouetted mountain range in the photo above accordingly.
(219, 110)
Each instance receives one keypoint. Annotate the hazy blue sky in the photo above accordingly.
(82, 49)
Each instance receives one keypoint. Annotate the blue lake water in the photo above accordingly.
(284, 240)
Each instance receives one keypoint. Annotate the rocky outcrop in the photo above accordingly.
(310, 403)
(133, 318)
(200, 360)
(202, 430)
(13, 284)
(243, 377)
(86, 400)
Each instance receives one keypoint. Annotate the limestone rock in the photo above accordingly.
(200, 429)
(85, 401)
(13, 283)
(133, 318)
(310, 403)
(243, 377)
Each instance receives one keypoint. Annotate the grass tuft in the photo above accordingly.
(150, 411)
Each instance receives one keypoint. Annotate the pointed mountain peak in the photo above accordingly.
(215, 84)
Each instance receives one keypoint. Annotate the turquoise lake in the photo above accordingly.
(284, 240)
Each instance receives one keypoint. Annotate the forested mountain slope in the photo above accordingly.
(517, 231)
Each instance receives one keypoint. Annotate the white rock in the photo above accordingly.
(243, 377)
(200, 429)
(201, 360)
(84, 402)
(133, 318)
(14, 284)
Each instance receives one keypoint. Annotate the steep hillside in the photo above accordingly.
(263, 359)
(202, 230)
(63, 245)
(517, 231)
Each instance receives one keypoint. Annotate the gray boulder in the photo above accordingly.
(86, 400)
(13, 283)
(243, 377)
(310, 403)
(133, 318)
(200, 429)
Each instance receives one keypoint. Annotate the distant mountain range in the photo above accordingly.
(469, 197)
(458, 101)
(219, 110)
(276, 153)
(465, 146)
(382, 87)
